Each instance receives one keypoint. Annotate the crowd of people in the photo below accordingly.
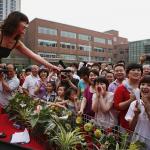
(114, 94)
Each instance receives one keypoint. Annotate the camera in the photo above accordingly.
(64, 73)
(63, 77)
(3, 70)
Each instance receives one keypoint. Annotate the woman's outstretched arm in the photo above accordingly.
(26, 51)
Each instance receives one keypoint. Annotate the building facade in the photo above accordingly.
(56, 41)
(120, 53)
(8, 6)
(137, 48)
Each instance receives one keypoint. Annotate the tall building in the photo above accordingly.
(56, 41)
(8, 6)
(137, 48)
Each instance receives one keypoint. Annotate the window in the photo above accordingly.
(121, 52)
(99, 40)
(84, 37)
(99, 49)
(47, 31)
(109, 42)
(98, 58)
(48, 55)
(67, 45)
(68, 57)
(83, 58)
(68, 34)
(84, 47)
(47, 43)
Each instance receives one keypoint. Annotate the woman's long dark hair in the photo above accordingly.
(11, 23)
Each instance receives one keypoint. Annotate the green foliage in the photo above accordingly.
(63, 129)
(137, 145)
(20, 109)
(66, 140)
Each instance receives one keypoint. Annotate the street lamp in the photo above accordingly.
(90, 48)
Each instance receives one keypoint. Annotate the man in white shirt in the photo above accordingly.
(8, 85)
(30, 81)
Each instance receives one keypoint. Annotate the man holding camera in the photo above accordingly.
(8, 84)
(66, 78)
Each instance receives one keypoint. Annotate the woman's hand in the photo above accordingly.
(132, 97)
(80, 112)
(137, 111)
(56, 69)
(99, 90)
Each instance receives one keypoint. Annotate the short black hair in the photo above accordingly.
(68, 92)
(105, 70)
(101, 79)
(61, 85)
(83, 71)
(94, 71)
(110, 72)
(43, 70)
(27, 70)
(111, 64)
(133, 66)
(119, 65)
(96, 64)
(120, 62)
(53, 84)
(145, 79)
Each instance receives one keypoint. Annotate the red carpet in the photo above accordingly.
(7, 127)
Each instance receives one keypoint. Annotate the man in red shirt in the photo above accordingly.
(125, 93)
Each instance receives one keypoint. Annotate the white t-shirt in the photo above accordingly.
(109, 118)
(5, 96)
(30, 84)
(143, 124)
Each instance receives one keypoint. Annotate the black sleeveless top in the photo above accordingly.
(4, 51)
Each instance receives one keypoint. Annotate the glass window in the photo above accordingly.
(83, 58)
(47, 31)
(48, 55)
(68, 57)
(84, 47)
(99, 40)
(68, 34)
(98, 49)
(97, 58)
(109, 42)
(47, 43)
(84, 37)
(67, 45)
(121, 52)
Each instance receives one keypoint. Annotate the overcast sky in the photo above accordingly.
(130, 17)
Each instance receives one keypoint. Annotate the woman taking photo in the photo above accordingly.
(12, 30)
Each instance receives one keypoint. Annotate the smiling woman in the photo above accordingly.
(12, 30)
